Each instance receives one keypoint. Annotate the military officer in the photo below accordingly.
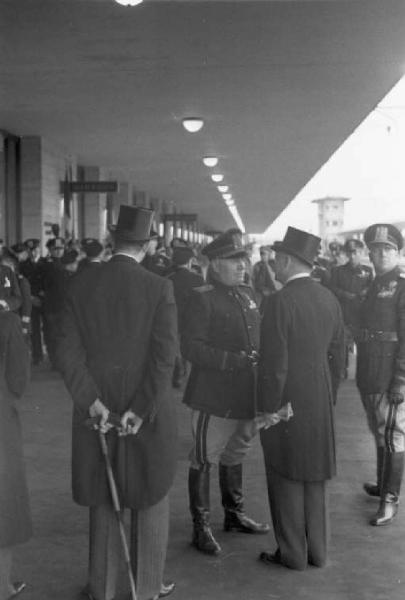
(349, 283)
(221, 340)
(381, 366)
(93, 250)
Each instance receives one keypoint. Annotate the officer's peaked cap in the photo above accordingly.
(300, 244)
(383, 233)
(69, 257)
(18, 248)
(227, 245)
(31, 243)
(352, 244)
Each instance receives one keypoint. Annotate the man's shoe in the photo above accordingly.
(165, 590)
(371, 489)
(204, 540)
(270, 559)
(18, 587)
(387, 510)
(240, 522)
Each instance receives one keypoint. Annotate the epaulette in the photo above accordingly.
(204, 288)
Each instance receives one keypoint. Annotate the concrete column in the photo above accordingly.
(32, 214)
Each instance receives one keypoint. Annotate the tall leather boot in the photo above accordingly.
(230, 482)
(374, 489)
(199, 495)
(390, 488)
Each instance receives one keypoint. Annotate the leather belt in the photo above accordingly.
(366, 335)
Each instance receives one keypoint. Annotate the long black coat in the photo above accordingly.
(221, 327)
(118, 343)
(302, 341)
(15, 518)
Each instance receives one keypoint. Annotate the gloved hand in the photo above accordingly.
(395, 397)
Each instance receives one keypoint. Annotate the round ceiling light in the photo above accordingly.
(227, 196)
(129, 2)
(223, 188)
(217, 178)
(230, 202)
(210, 161)
(192, 124)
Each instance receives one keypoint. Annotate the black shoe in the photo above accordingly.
(371, 489)
(270, 559)
(18, 587)
(240, 522)
(387, 510)
(204, 540)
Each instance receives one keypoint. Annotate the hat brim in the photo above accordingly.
(383, 243)
(280, 247)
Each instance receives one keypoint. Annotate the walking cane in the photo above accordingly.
(116, 503)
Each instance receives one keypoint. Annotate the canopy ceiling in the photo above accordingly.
(280, 85)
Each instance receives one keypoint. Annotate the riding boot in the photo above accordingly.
(374, 489)
(390, 488)
(199, 495)
(230, 482)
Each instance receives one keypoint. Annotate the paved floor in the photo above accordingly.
(366, 563)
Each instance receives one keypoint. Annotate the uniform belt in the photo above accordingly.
(366, 335)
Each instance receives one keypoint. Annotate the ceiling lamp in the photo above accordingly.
(129, 2)
(223, 188)
(227, 196)
(217, 178)
(192, 124)
(230, 202)
(210, 161)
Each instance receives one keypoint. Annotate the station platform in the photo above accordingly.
(365, 563)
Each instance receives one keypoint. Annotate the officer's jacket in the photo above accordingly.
(381, 345)
(347, 280)
(222, 327)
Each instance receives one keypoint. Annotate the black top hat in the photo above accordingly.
(226, 245)
(134, 224)
(383, 233)
(298, 243)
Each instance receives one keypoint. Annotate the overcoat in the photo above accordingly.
(221, 328)
(302, 341)
(117, 343)
(15, 518)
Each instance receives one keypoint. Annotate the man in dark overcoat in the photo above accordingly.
(302, 341)
(381, 366)
(221, 339)
(184, 279)
(15, 516)
(116, 352)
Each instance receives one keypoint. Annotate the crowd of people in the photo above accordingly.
(260, 350)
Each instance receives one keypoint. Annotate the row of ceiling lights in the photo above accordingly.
(193, 125)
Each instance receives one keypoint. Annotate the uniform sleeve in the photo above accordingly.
(398, 380)
(196, 345)
(336, 352)
(273, 365)
(157, 379)
(17, 360)
(71, 360)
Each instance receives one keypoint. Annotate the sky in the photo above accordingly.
(368, 168)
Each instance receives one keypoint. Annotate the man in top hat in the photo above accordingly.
(184, 279)
(381, 366)
(301, 357)
(116, 352)
(221, 340)
(349, 283)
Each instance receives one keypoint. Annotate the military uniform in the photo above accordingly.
(221, 340)
(381, 379)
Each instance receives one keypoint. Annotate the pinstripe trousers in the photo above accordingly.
(386, 421)
(148, 544)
